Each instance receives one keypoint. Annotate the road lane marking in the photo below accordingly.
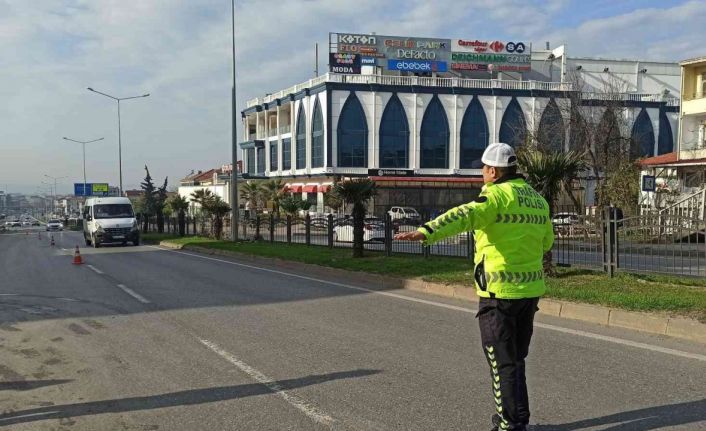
(134, 294)
(586, 334)
(302, 405)
(94, 269)
(9, 294)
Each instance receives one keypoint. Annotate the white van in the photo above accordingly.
(109, 220)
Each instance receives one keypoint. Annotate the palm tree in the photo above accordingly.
(201, 197)
(218, 209)
(252, 192)
(179, 204)
(547, 173)
(357, 193)
(274, 192)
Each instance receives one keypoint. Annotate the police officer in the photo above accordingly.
(512, 231)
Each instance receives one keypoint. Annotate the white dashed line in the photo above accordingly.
(304, 406)
(94, 269)
(586, 334)
(134, 294)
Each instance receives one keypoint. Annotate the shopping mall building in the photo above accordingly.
(415, 114)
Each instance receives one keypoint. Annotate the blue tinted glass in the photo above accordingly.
(474, 135)
(513, 128)
(274, 161)
(286, 153)
(394, 135)
(352, 135)
(551, 128)
(434, 136)
(317, 138)
(665, 143)
(301, 138)
(642, 137)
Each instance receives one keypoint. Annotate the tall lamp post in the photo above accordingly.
(234, 156)
(54, 192)
(120, 148)
(84, 157)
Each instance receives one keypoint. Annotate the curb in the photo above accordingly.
(653, 323)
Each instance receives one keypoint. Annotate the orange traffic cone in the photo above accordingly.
(52, 241)
(77, 257)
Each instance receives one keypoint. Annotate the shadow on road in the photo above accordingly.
(182, 398)
(651, 418)
(24, 385)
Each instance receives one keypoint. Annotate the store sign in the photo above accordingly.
(417, 66)
(414, 48)
(368, 61)
(474, 55)
(344, 63)
(356, 39)
(390, 172)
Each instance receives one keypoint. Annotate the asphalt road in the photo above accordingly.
(140, 338)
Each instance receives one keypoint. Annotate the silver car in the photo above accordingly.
(54, 225)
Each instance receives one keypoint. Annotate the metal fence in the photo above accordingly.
(600, 239)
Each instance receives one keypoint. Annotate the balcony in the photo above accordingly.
(458, 83)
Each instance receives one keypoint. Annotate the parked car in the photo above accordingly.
(35, 223)
(404, 213)
(13, 223)
(563, 219)
(372, 232)
(54, 224)
(26, 223)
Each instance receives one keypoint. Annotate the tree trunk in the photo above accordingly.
(358, 229)
(548, 265)
(182, 223)
(145, 223)
(218, 227)
(160, 222)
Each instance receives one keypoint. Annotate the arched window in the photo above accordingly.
(608, 144)
(513, 128)
(317, 138)
(642, 142)
(352, 135)
(394, 135)
(434, 137)
(301, 138)
(551, 128)
(665, 143)
(474, 135)
(579, 138)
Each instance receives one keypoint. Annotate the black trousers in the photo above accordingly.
(506, 331)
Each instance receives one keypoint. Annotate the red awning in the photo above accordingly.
(310, 188)
(295, 189)
(325, 188)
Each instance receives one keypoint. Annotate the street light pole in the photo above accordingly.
(54, 195)
(84, 157)
(120, 146)
(235, 213)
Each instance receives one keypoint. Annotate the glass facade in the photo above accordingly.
(250, 154)
(551, 128)
(513, 128)
(317, 138)
(642, 142)
(394, 135)
(274, 157)
(434, 137)
(286, 154)
(261, 160)
(352, 135)
(474, 136)
(665, 143)
(301, 138)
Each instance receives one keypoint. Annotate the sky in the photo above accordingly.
(179, 51)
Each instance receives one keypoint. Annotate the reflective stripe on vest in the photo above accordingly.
(521, 218)
(513, 277)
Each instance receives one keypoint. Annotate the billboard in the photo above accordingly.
(409, 51)
(91, 189)
(417, 54)
(478, 54)
(344, 63)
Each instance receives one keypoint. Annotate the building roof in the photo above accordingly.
(659, 160)
(671, 160)
(692, 61)
(133, 193)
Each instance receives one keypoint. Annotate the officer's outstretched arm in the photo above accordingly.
(549, 237)
(476, 214)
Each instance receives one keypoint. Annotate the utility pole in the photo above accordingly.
(235, 213)
(316, 58)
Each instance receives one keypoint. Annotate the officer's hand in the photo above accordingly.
(410, 236)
